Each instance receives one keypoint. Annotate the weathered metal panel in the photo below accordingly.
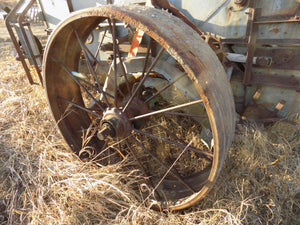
(54, 11)
(58, 10)
(267, 30)
(278, 7)
(221, 17)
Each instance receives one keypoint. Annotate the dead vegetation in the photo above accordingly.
(42, 182)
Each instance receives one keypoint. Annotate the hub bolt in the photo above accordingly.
(107, 130)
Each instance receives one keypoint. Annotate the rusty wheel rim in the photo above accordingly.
(175, 81)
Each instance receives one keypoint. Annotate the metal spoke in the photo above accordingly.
(165, 87)
(80, 107)
(147, 57)
(109, 155)
(141, 166)
(169, 170)
(205, 154)
(177, 176)
(186, 114)
(183, 142)
(169, 132)
(100, 44)
(87, 83)
(136, 158)
(144, 78)
(166, 110)
(112, 25)
(77, 82)
(91, 68)
(94, 87)
(123, 69)
(91, 54)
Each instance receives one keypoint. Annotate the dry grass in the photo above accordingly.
(42, 182)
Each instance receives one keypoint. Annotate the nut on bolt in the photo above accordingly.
(107, 130)
(114, 123)
(241, 2)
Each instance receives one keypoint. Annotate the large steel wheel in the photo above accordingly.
(151, 89)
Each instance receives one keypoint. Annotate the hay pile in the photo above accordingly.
(42, 182)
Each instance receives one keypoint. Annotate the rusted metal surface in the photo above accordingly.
(8, 21)
(288, 82)
(212, 40)
(252, 32)
(194, 55)
(286, 58)
(32, 54)
(166, 5)
(16, 21)
(277, 53)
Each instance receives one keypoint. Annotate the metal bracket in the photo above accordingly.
(268, 78)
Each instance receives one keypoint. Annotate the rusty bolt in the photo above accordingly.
(241, 2)
(107, 130)
(264, 61)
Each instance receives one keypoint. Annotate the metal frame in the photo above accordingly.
(17, 18)
(251, 40)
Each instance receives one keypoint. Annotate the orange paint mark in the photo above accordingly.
(136, 41)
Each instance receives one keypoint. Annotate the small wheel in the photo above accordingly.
(148, 90)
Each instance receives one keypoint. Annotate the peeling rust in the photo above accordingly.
(194, 55)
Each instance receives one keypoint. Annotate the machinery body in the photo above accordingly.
(264, 36)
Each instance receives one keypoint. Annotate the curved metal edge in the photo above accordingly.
(198, 60)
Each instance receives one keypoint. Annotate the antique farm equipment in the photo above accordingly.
(162, 82)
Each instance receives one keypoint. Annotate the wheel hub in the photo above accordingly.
(114, 124)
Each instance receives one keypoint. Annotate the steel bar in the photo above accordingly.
(147, 57)
(166, 110)
(178, 177)
(253, 29)
(112, 25)
(165, 87)
(123, 68)
(186, 114)
(100, 44)
(177, 138)
(80, 107)
(144, 78)
(32, 56)
(91, 68)
(141, 166)
(207, 154)
(77, 82)
(15, 41)
(170, 168)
